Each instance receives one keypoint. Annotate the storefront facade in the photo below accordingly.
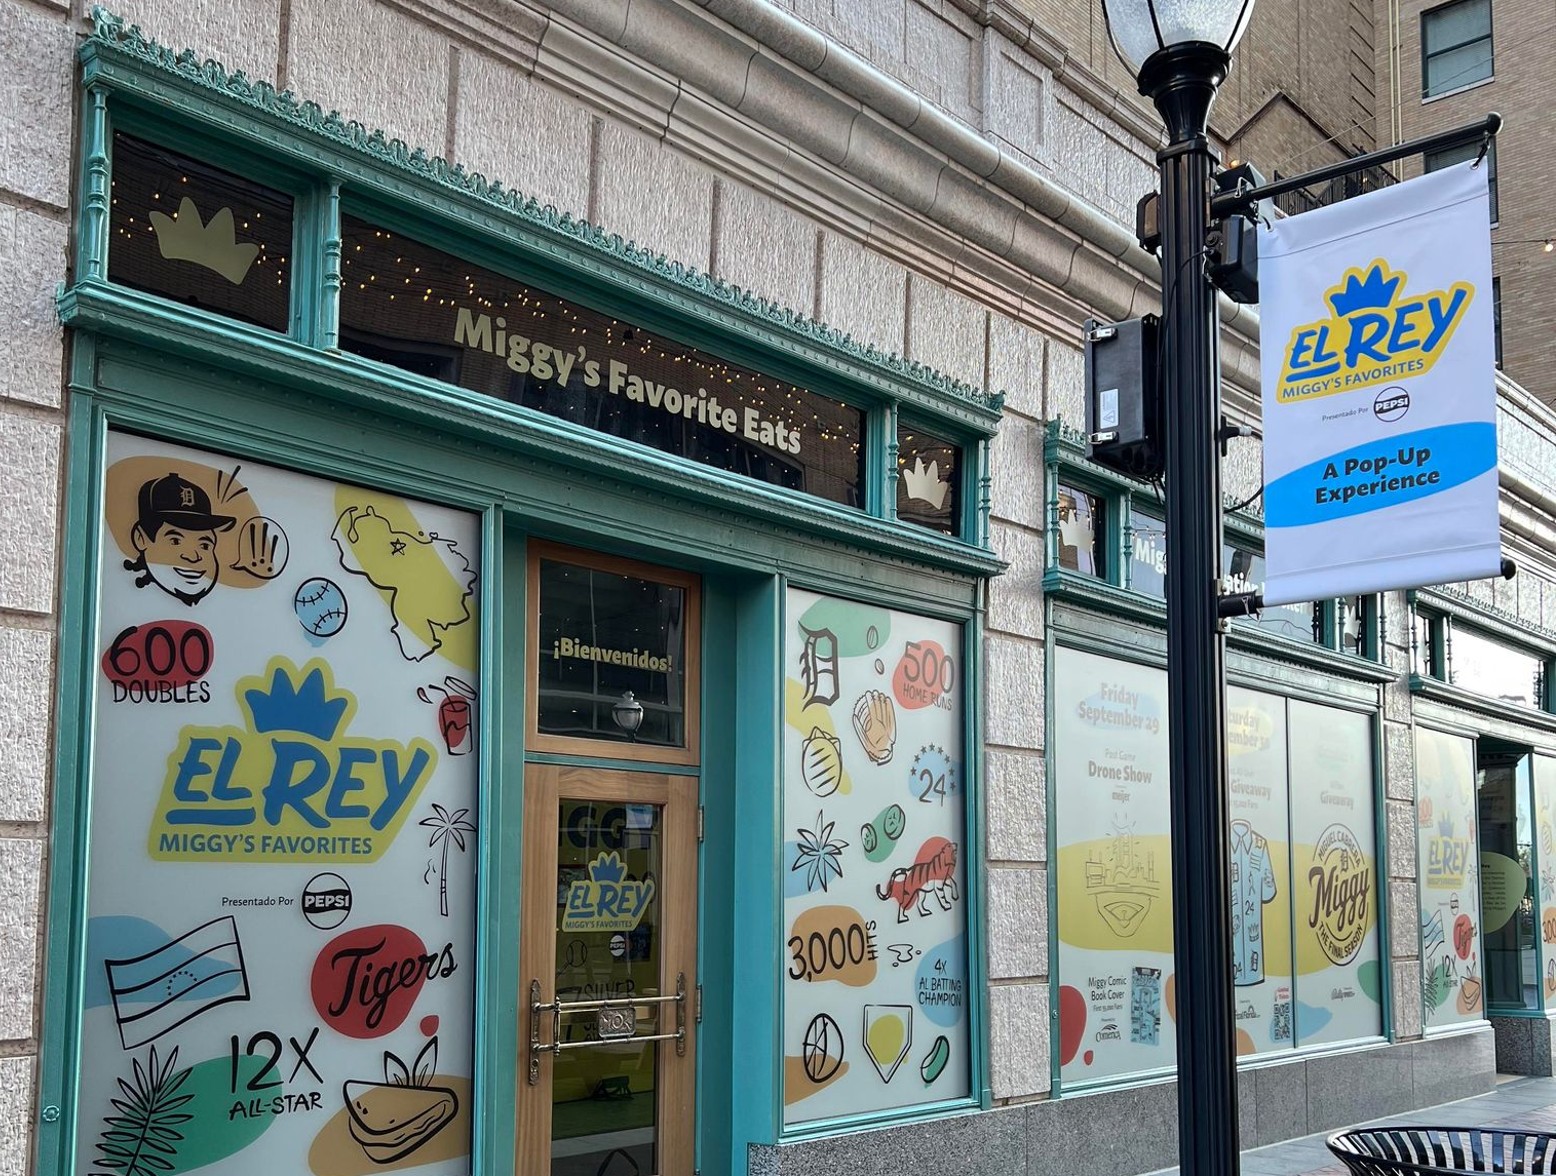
(521, 704)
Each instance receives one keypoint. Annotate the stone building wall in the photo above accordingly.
(969, 217)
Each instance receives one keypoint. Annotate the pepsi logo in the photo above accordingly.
(326, 901)
(1391, 404)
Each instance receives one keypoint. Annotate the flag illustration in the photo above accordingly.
(160, 990)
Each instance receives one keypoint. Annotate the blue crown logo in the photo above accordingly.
(1371, 293)
(607, 868)
(304, 707)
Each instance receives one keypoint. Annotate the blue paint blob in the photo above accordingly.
(942, 995)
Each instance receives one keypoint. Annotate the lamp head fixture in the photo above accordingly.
(628, 713)
(1140, 29)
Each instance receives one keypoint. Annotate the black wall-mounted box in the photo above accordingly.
(1124, 420)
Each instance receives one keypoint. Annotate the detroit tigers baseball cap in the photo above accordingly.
(171, 499)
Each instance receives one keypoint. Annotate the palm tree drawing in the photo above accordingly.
(445, 828)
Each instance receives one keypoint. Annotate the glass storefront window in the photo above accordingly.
(1448, 861)
(1507, 887)
(1426, 655)
(611, 652)
(1544, 769)
(437, 315)
(1244, 571)
(1303, 879)
(876, 1003)
(1083, 532)
(929, 477)
(1495, 670)
(282, 887)
(201, 236)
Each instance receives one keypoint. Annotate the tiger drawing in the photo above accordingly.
(932, 872)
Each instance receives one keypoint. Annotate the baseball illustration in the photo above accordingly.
(320, 607)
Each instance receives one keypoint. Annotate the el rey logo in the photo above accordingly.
(294, 784)
(1375, 332)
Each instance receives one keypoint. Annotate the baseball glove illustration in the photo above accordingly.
(875, 722)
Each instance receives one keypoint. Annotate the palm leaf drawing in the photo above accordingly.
(141, 1138)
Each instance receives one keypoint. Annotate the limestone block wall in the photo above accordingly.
(35, 164)
(971, 232)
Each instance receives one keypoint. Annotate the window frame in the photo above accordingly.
(1427, 93)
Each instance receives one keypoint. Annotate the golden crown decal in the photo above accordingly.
(924, 483)
(182, 237)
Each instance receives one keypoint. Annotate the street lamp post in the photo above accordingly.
(1180, 51)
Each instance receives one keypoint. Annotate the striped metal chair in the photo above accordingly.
(1412, 1151)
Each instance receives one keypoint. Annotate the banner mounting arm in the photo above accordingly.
(1243, 200)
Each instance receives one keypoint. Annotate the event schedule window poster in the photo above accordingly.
(280, 934)
(1116, 996)
(1302, 885)
(1447, 856)
(874, 879)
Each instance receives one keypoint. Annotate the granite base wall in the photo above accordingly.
(1134, 1130)
(1525, 1045)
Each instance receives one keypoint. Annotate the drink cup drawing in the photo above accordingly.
(456, 712)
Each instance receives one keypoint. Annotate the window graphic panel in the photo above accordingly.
(280, 923)
(1334, 864)
(1114, 868)
(1448, 859)
(875, 898)
(1545, 831)
(1260, 871)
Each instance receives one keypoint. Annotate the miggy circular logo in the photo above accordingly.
(1341, 883)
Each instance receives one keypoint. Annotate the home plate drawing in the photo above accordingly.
(159, 991)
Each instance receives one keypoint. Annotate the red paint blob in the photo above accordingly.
(923, 676)
(145, 659)
(1087, 1057)
(1072, 1022)
(429, 1025)
(1463, 936)
(365, 981)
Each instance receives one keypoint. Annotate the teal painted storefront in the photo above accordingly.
(142, 364)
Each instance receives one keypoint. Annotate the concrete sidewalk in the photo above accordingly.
(1516, 1102)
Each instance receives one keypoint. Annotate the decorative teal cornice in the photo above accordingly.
(114, 42)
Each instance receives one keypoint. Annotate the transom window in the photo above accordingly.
(1449, 650)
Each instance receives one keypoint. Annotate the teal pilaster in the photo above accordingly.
(329, 286)
(92, 243)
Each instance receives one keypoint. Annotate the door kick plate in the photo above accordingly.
(614, 1024)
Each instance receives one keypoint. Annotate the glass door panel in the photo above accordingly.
(606, 1087)
(607, 949)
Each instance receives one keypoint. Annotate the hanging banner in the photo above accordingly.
(1380, 445)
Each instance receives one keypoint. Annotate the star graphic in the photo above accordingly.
(397, 547)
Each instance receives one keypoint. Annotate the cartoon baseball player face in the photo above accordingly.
(175, 539)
